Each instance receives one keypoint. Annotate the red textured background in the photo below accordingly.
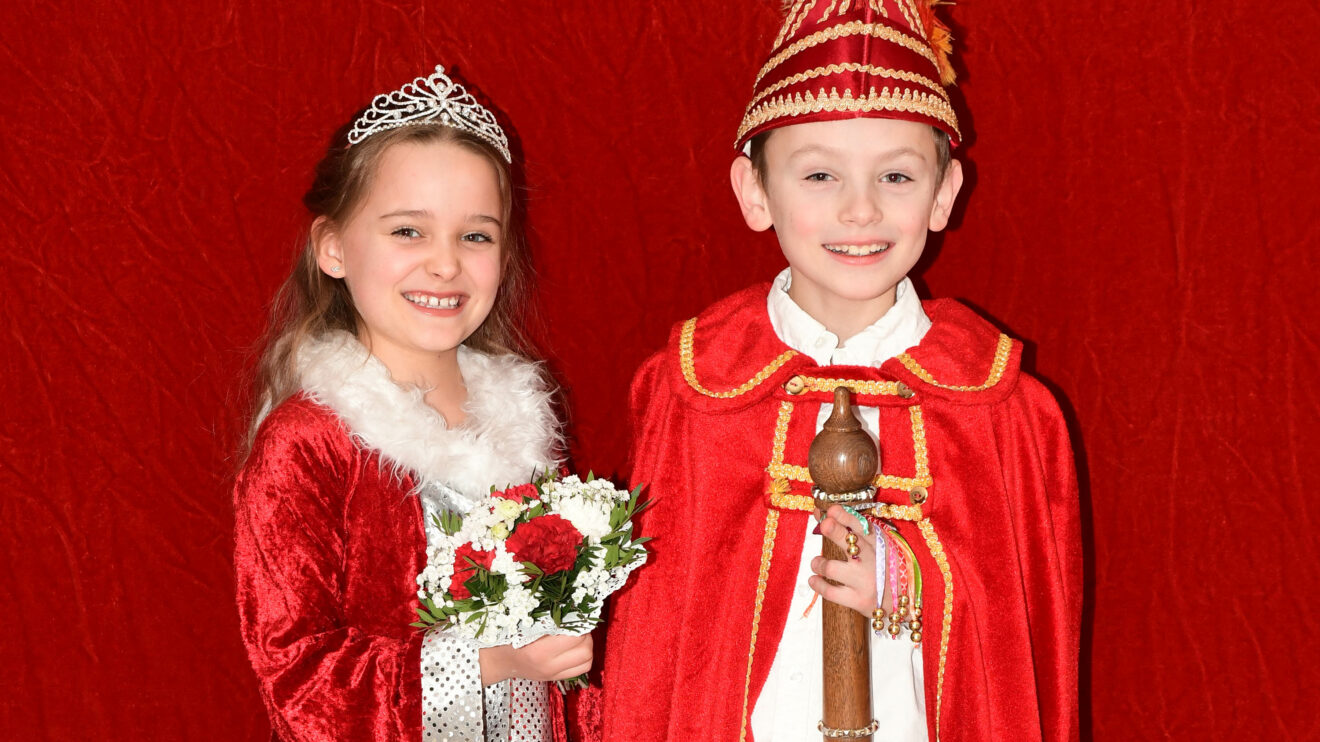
(1142, 207)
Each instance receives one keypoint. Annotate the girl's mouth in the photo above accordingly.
(433, 301)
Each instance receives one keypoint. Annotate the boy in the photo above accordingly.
(847, 143)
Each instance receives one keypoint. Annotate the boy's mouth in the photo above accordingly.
(871, 248)
(432, 301)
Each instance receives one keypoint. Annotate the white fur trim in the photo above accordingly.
(510, 431)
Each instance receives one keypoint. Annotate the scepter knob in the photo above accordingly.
(842, 457)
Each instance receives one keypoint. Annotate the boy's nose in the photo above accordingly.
(861, 207)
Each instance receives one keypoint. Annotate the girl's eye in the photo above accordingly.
(477, 237)
(408, 233)
(894, 178)
(818, 177)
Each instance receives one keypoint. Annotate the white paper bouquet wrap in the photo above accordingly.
(530, 561)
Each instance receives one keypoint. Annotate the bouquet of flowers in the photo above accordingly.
(531, 560)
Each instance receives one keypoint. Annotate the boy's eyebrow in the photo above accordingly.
(812, 149)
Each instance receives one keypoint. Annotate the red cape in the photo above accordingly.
(328, 546)
(975, 462)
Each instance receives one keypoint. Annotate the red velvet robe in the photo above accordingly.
(979, 471)
(328, 549)
(329, 543)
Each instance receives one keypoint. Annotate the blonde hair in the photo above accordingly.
(310, 304)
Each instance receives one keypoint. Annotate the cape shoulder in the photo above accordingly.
(729, 357)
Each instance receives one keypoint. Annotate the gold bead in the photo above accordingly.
(916, 637)
(902, 600)
(853, 550)
(894, 628)
(916, 612)
(902, 611)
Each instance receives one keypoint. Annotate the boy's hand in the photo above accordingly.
(856, 577)
(547, 658)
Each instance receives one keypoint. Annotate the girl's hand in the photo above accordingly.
(547, 658)
(856, 577)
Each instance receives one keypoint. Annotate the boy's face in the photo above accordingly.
(851, 202)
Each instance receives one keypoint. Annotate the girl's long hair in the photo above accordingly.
(310, 303)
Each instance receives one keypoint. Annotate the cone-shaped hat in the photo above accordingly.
(842, 59)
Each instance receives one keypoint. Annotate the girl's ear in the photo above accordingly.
(945, 195)
(329, 251)
(750, 194)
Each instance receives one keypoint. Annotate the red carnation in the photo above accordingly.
(463, 569)
(549, 542)
(521, 493)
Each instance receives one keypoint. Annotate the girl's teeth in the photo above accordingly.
(433, 302)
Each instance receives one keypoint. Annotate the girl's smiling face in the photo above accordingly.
(422, 254)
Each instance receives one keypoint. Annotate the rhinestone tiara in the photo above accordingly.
(426, 100)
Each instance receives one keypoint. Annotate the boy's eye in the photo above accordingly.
(894, 178)
(408, 233)
(818, 177)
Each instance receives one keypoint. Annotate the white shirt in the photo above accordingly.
(790, 702)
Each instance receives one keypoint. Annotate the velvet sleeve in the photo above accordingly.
(635, 656)
(322, 676)
(1053, 567)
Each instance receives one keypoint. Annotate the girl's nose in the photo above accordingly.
(443, 262)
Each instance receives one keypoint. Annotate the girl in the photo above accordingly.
(394, 383)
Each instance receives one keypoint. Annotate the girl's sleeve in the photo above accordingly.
(322, 677)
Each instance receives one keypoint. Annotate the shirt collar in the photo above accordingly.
(902, 327)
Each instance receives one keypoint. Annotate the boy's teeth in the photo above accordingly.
(859, 250)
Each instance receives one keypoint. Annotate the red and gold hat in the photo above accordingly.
(843, 59)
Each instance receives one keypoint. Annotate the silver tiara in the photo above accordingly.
(434, 99)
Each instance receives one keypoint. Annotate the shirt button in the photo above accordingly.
(795, 385)
(905, 391)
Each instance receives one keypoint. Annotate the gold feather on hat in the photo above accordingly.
(941, 39)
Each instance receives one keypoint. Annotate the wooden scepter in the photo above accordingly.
(843, 461)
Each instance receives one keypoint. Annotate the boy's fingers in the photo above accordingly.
(844, 518)
(839, 594)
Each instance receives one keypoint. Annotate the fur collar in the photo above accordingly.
(510, 431)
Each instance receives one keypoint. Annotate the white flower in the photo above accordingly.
(507, 509)
(590, 518)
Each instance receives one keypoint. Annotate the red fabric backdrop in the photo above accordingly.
(1141, 207)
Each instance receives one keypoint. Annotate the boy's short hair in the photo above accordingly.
(756, 151)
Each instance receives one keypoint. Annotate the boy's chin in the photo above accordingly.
(839, 290)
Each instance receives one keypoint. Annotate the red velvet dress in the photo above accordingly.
(978, 474)
(329, 545)
(330, 540)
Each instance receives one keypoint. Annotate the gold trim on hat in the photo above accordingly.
(835, 69)
(876, 30)
(909, 10)
(911, 101)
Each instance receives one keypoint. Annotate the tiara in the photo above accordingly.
(434, 99)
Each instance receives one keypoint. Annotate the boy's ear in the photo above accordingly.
(329, 251)
(945, 196)
(751, 196)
